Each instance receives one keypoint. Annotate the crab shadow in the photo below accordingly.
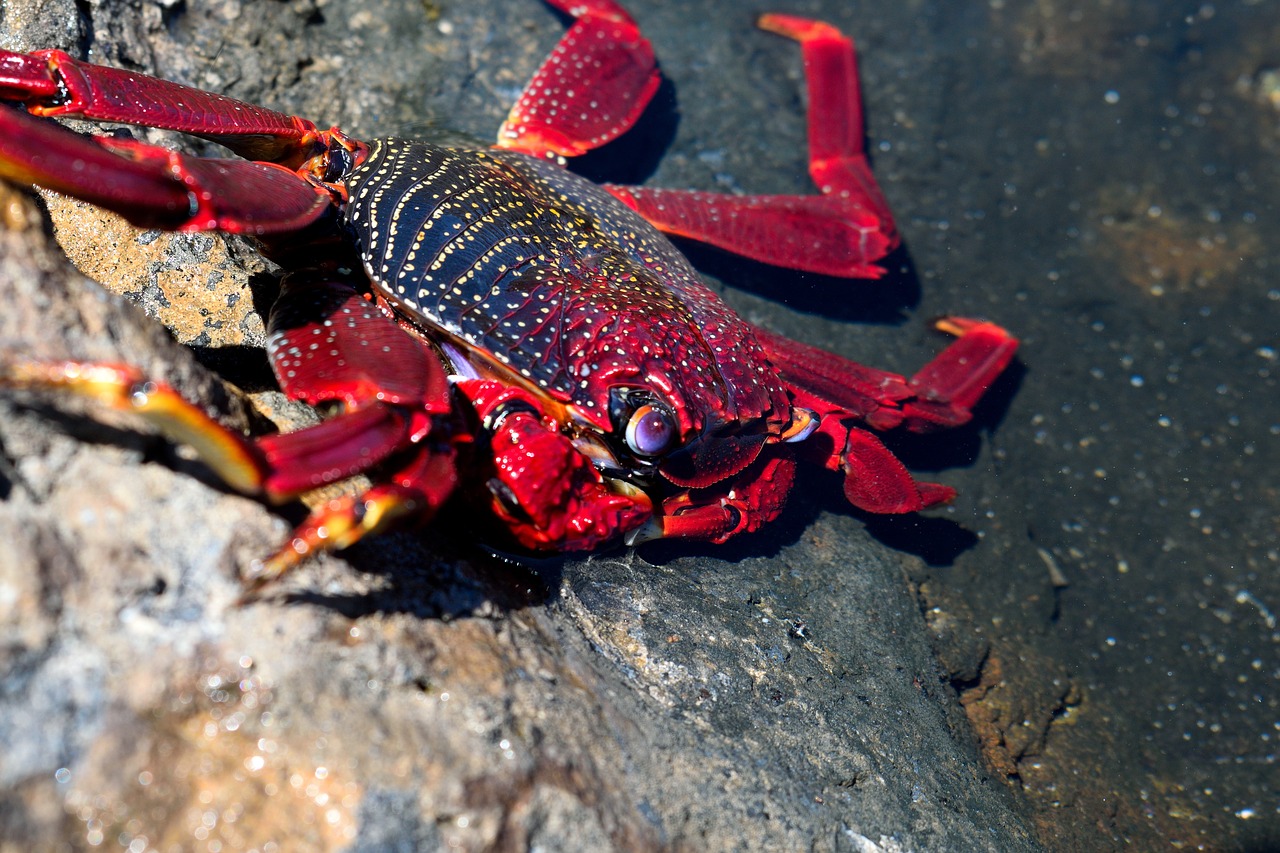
(444, 570)
(245, 366)
(634, 156)
(887, 300)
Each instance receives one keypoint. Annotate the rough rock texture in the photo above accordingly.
(411, 693)
(412, 696)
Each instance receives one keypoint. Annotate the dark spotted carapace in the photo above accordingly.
(517, 257)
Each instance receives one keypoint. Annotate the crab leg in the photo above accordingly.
(840, 391)
(49, 82)
(841, 232)
(948, 387)
(392, 391)
(592, 88)
(125, 388)
(414, 493)
(156, 188)
(939, 395)
(328, 345)
(278, 467)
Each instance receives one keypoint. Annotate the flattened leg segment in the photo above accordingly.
(949, 386)
(837, 159)
(876, 481)
(277, 467)
(843, 393)
(842, 232)
(591, 89)
(40, 152)
(326, 342)
(25, 77)
(829, 235)
(49, 82)
(150, 186)
(154, 187)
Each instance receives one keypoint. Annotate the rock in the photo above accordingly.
(410, 693)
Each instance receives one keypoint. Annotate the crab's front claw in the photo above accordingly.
(743, 504)
(550, 495)
(544, 490)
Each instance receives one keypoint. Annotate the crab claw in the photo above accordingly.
(546, 492)
(751, 499)
(550, 495)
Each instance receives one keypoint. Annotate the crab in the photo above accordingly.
(482, 323)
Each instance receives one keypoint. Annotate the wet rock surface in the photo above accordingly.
(1082, 645)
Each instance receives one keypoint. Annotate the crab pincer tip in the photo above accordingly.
(797, 28)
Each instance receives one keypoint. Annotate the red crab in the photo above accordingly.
(484, 321)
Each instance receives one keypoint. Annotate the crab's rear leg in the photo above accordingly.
(843, 394)
(841, 232)
(592, 88)
(328, 345)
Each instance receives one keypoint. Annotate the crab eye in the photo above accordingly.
(650, 431)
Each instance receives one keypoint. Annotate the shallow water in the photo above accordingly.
(1099, 177)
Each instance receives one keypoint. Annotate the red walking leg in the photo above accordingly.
(591, 89)
(150, 186)
(952, 383)
(154, 187)
(50, 83)
(843, 231)
(842, 392)
(327, 344)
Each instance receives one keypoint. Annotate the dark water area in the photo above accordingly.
(1100, 178)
